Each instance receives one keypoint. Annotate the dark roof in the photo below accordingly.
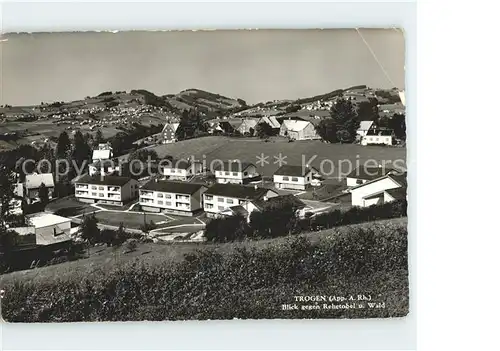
(239, 210)
(237, 191)
(291, 198)
(398, 193)
(106, 180)
(297, 171)
(400, 178)
(379, 132)
(169, 186)
(231, 166)
(175, 163)
(369, 173)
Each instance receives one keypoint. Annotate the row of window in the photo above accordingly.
(165, 203)
(235, 174)
(166, 196)
(294, 179)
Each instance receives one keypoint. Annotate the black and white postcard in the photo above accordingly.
(203, 175)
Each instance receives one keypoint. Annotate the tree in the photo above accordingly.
(226, 229)
(63, 145)
(327, 130)
(368, 110)
(277, 218)
(345, 118)
(6, 192)
(398, 124)
(89, 230)
(43, 194)
(99, 138)
(81, 150)
(263, 130)
(189, 124)
(8, 239)
(132, 245)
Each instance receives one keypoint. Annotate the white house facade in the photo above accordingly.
(174, 197)
(234, 172)
(373, 192)
(363, 174)
(111, 190)
(294, 177)
(221, 197)
(180, 169)
(298, 130)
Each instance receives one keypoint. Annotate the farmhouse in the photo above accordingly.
(384, 189)
(104, 151)
(247, 126)
(45, 229)
(294, 177)
(235, 172)
(378, 136)
(173, 197)
(298, 130)
(363, 174)
(168, 133)
(221, 197)
(111, 190)
(271, 121)
(364, 127)
(179, 169)
(32, 185)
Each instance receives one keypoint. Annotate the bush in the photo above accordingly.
(238, 283)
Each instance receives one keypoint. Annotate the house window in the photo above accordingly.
(168, 203)
(208, 197)
(245, 173)
(359, 181)
(221, 208)
(286, 179)
(229, 201)
(209, 206)
(94, 194)
(160, 202)
(167, 196)
(235, 174)
(101, 188)
(159, 195)
(295, 179)
(220, 199)
(101, 195)
(94, 187)
(227, 173)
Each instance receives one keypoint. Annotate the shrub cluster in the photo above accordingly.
(281, 220)
(226, 284)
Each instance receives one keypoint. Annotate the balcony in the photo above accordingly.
(114, 189)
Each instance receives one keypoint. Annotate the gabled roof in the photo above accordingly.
(295, 125)
(271, 120)
(172, 126)
(380, 132)
(106, 180)
(397, 193)
(365, 125)
(169, 186)
(369, 173)
(231, 166)
(399, 179)
(238, 191)
(34, 181)
(294, 171)
(250, 122)
(239, 210)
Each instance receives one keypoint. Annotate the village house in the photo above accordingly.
(271, 121)
(31, 186)
(294, 177)
(298, 130)
(378, 137)
(221, 197)
(247, 126)
(111, 190)
(168, 133)
(109, 167)
(174, 197)
(364, 127)
(381, 190)
(363, 174)
(45, 229)
(104, 151)
(180, 169)
(235, 172)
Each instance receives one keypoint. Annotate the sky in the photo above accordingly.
(256, 65)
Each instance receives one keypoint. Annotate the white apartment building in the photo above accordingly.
(111, 190)
(221, 197)
(294, 177)
(173, 197)
(180, 169)
(235, 172)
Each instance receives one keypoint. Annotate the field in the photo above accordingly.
(343, 157)
(104, 258)
(225, 281)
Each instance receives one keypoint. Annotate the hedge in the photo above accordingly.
(226, 284)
